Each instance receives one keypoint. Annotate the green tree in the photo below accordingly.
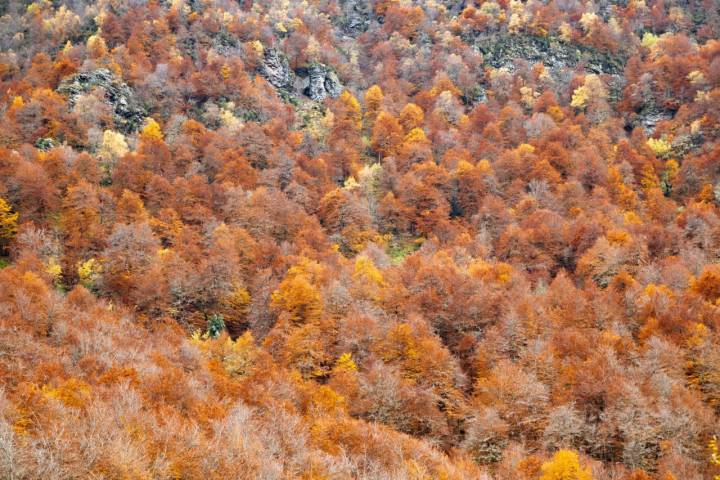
(216, 325)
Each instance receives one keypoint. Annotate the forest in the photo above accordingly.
(360, 239)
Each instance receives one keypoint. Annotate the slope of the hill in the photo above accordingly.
(359, 239)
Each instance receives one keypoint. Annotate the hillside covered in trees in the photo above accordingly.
(360, 239)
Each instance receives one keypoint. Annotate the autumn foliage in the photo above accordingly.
(347, 239)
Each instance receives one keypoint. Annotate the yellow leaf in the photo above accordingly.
(345, 363)
(565, 465)
(152, 130)
(8, 220)
(659, 146)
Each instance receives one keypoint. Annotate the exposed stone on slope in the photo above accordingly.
(276, 69)
(356, 16)
(684, 144)
(649, 113)
(128, 113)
(316, 81)
(475, 95)
(555, 54)
(332, 84)
(648, 118)
(322, 82)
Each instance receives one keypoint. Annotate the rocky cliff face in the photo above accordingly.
(276, 70)
(317, 81)
(649, 117)
(356, 17)
(128, 113)
(322, 82)
(554, 53)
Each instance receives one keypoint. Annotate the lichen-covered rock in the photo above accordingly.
(648, 118)
(332, 84)
(322, 82)
(356, 16)
(615, 86)
(475, 95)
(554, 53)
(128, 112)
(276, 69)
(647, 112)
(684, 144)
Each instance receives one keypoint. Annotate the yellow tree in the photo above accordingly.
(714, 455)
(112, 147)
(565, 465)
(411, 117)
(235, 305)
(96, 47)
(344, 377)
(8, 221)
(373, 102)
(368, 279)
(298, 295)
(592, 91)
(348, 115)
(151, 130)
(88, 272)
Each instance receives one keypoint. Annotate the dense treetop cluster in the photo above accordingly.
(338, 239)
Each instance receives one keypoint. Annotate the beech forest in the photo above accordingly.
(360, 239)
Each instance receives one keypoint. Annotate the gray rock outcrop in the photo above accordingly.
(685, 144)
(128, 112)
(649, 118)
(276, 69)
(555, 54)
(316, 81)
(356, 16)
(322, 82)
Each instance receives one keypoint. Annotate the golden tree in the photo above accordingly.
(298, 295)
(565, 465)
(411, 117)
(714, 455)
(151, 130)
(235, 305)
(373, 102)
(8, 220)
